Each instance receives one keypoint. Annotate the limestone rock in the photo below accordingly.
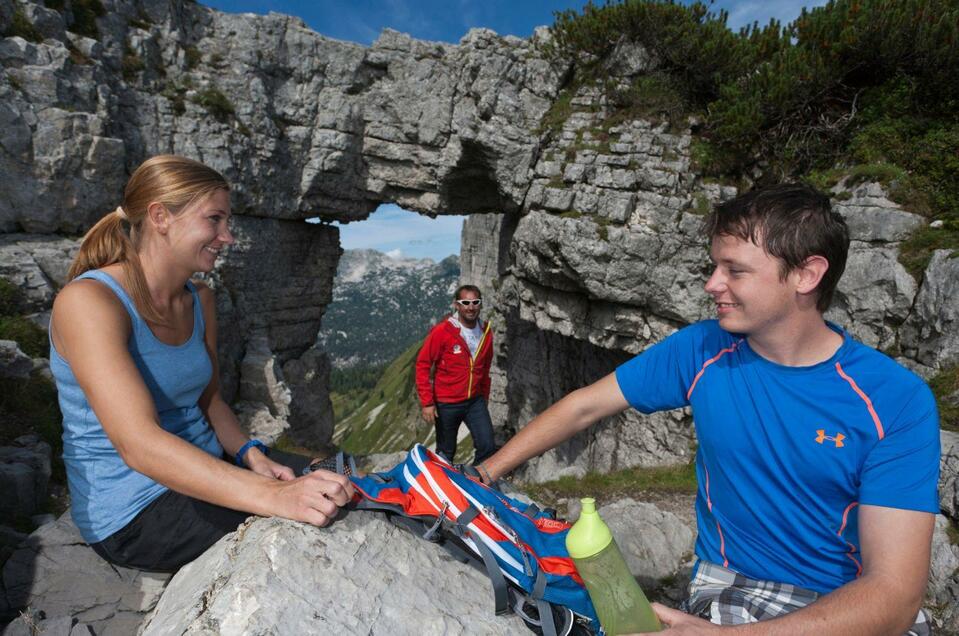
(361, 575)
(949, 474)
(24, 475)
(259, 423)
(275, 283)
(943, 590)
(13, 362)
(873, 217)
(931, 335)
(874, 296)
(311, 411)
(56, 573)
(38, 265)
(654, 542)
(944, 567)
(381, 462)
(626, 440)
(261, 379)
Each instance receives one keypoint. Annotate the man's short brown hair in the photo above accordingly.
(791, 222)
(467, 288)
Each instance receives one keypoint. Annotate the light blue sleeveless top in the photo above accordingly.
(105, 493)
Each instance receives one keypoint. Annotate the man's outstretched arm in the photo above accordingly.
(574, 413)
(896, 547)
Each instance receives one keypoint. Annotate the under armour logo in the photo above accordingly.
(821, 437)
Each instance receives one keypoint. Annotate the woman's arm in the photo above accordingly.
(90, 330)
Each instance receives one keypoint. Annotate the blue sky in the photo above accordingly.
(391, 228)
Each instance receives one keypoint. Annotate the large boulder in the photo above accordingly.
(14, 363)
(311, 411)
(949, 474)
(931, 335)
(361, 575)
(24, 475)
(942, 593)
(655, 543)
(56, 575)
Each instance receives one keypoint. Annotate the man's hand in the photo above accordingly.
(429, 414)
(679, 622)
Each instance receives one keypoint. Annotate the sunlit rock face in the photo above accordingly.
(591, 250)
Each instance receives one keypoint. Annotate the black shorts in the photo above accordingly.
(175, 529)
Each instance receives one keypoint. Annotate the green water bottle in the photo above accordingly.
(619, 601)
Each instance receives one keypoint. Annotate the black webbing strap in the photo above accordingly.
(545, 609)
(343, 460)
(500, 588)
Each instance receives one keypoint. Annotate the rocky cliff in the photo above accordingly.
(593, 253)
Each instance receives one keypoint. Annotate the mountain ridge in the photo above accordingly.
(382, 304)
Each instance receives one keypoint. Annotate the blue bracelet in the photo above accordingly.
(242, 452)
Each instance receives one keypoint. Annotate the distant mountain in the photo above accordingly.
(382, 304)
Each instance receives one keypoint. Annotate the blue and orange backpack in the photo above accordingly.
(520, 547)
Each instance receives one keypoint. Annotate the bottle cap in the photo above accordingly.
(589, 535)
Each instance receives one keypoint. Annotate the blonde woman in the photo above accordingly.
(133, 351)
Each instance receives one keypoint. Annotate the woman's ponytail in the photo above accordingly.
(105, 244)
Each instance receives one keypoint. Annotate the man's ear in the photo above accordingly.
(159, 217)
(810, 274)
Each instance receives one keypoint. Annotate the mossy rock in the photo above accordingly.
(32, 339)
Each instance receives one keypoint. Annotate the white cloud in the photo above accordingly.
(744, 12)
(391, 228)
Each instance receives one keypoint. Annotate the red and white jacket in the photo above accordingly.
(458, 375)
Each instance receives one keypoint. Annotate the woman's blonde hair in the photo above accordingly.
(176, 182)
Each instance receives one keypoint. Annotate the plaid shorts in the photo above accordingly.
(724, 597)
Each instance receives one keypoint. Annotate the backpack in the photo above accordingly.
(520, 547)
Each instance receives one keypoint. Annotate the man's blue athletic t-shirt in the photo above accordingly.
(786, 454)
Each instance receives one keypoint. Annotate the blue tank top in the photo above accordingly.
(106, 494)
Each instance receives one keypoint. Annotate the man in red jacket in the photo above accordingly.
(458, 352)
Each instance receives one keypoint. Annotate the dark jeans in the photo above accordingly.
(175, 529)
(474, 412)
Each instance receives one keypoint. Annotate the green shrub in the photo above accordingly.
(21, 26)
(192, 56)
(11, 298)
(31, 338)
(77, 56)
(131, 64)
(850, 83)
(944, 385)
(701, 205)
(216, 103)
(142, 21)
(916, 251)
(31, 406)
(619, 484)
(177, 96)
(559, 111)
(85, 14)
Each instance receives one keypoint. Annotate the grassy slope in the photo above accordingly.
(389, 419)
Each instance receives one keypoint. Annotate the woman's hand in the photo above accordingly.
(263, 465)
(314, 498)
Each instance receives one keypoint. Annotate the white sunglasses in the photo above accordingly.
(470, 301)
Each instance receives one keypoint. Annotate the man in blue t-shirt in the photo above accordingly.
(818, 456)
